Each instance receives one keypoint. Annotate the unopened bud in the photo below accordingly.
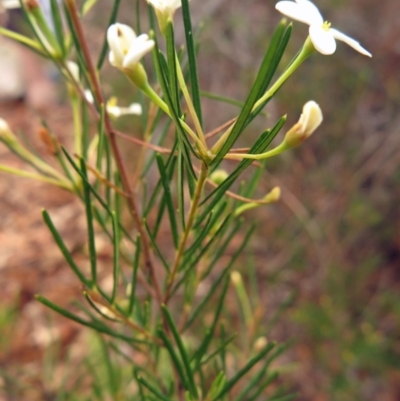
(260, 343)
(6, 135)
(273, 196)
(236, 278)
(309, 121)
(218, 176)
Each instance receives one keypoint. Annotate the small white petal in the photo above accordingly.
(312, 117)
(126, 36)
(135, 108)
(311, 10)
(116, 53)
(303, 12)
(322, 39)
(139, 48)
(351, 42)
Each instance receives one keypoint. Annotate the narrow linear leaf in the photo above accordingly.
(174, 357)
(254, 382)
(89, 222)
(104, 47)
(218, 281)
(132, 295)
(210, 334)
(218, 351)
(191, 50)
(264, 77)
(182, 351)
(116, 262)
(155, 246)
(96, 325)
(171, 58)
(58, 26)
(162, 72)
(67, 256)
(244, 370)
(261, 144)
(93, 191)
(168, 199)
(152, 389)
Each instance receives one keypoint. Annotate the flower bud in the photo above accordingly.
(6, 135)
(273, 196)
(218, 176)
(309, 121)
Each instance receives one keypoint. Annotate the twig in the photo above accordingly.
(117, 154)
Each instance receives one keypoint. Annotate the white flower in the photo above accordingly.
(126, 49)
(165, 10)
(309, 121)
(165, 6)
(321, 34)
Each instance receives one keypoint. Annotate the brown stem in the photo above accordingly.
(220, 128)
(116, 152)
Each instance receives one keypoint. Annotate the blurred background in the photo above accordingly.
(330, 249)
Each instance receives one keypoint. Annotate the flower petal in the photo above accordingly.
(351, 42)
(139, 48)
(312, 116)
(116, 54)
(322, 39)
(312, 10)
(300, 11)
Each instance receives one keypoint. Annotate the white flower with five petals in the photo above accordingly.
(321, 34)
(127, 49)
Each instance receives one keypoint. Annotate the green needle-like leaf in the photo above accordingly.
(89, 222)
(243, 371)
(182, 351)
(58, 27)
(259, 147)
(175, 359)
(104, 48)
(152, 389)
(210, 332)
(67, 256)
(168, 199)
(264, 77)
(191, 50)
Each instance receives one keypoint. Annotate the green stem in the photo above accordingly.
(76, 115)
(61, 183)
(273, 152)
(189, 102)
(185, 235)
(33, 160)
(22, 39)
(43, 30)
(306, 51)
(148, 90)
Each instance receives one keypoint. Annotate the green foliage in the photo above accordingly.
(166, 328)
